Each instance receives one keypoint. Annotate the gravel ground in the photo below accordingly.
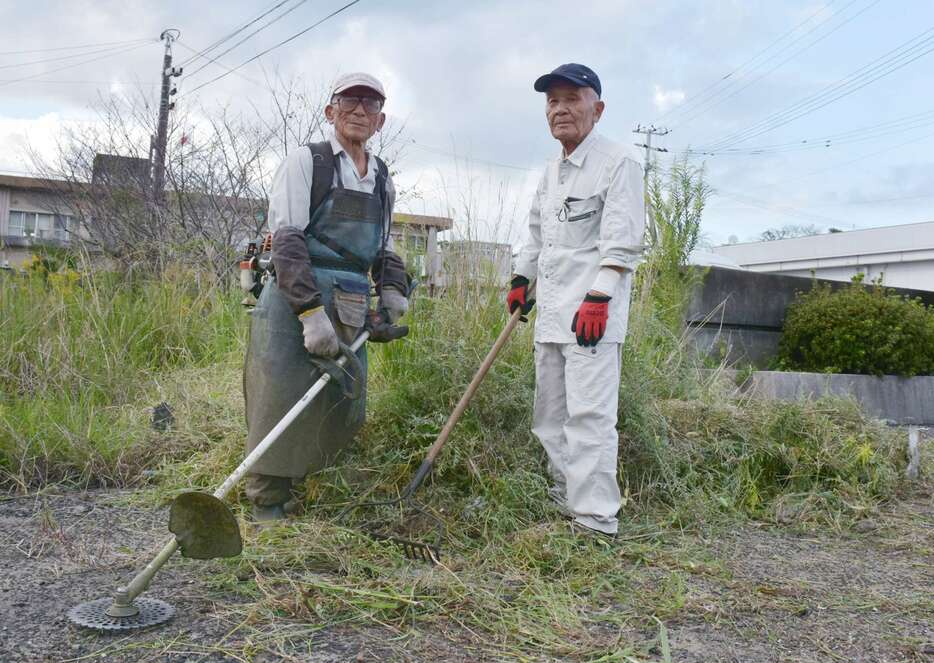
(767, 594)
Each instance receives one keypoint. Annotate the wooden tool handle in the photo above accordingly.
(462, 404)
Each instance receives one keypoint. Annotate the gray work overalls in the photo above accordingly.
(344, 237)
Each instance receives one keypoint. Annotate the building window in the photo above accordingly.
(39, 225)
(17, 225)
(61, 225)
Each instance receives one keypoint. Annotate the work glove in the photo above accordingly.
(518, 296)
(589, 324)
(320, 337)
(395, 303)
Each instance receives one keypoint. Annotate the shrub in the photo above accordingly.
(857, 330)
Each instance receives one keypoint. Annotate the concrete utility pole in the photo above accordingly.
(648, 132)
(162, 130)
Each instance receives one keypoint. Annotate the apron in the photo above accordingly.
(344, 237)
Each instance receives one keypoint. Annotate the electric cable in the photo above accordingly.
(841, 164)
(72, 66)
(862, 134)
(783, 209)
(697, 97)
(251, 35)
(233, 34)
(71, 48)
(219, 64)
(716, 103)
(895, 59)
(454, 155)
(74, 55)
(278, 45)
(62, 82)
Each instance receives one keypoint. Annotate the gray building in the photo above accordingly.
(902, 255)
(32, 215)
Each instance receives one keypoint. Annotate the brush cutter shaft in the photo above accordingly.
(140, 582)
(445, 433)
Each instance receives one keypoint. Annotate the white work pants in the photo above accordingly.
(574, 417)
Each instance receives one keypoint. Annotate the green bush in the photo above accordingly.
(857, 329)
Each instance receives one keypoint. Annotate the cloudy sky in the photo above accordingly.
(811, 112)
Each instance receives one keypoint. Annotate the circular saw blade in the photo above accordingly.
(93, 614)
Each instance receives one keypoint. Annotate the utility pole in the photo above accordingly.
(162, 130)
(649, 163)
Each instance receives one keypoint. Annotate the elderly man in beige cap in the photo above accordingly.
(330, 208)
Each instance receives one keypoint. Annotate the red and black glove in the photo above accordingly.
(589, 324)
(518, 296)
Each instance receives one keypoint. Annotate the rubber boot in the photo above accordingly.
(264, 513)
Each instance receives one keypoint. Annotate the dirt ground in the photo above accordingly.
(767, 594)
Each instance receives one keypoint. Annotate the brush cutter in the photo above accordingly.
(425, 550)
(203, 526)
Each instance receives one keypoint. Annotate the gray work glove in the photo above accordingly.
(395, 303)
(320, 337)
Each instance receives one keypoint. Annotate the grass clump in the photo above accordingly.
(80, 362)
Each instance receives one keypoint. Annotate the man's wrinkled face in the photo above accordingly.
(571, 111)
(352, 120)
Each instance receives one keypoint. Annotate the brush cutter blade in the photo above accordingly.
(204, 527)
(95, 615)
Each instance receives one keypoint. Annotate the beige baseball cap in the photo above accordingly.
(358, 78)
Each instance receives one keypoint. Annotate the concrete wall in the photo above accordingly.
(904, 401)
(738, 315)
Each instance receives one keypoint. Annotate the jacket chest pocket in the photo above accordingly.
(579, 221)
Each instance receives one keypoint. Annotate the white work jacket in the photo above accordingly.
(588, 213)
(290, 194)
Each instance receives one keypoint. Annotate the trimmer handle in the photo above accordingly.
(381, 330)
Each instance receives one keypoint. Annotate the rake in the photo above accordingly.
(427, 550)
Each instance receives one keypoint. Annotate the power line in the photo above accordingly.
(109, 49)
(719, 102)
(220, 64)
(892, 61)
(874, 201)
(232, 34)
(848, 162)
(252, 34)
(272, 48)
(700, 95)
(783, 209)
(862, 134)
(71, 48)
(71, 66)
(454, 155)
(73, 82)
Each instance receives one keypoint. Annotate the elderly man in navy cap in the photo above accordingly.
(585, 240)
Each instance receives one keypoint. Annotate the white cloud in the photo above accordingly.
(666, 99)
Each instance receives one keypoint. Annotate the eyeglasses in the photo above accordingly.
(371, 105)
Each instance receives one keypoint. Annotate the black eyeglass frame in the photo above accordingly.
(371, 105)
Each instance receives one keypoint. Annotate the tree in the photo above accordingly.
(218, 168)
(788, 231)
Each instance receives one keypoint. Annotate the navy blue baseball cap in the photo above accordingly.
(576, 74)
